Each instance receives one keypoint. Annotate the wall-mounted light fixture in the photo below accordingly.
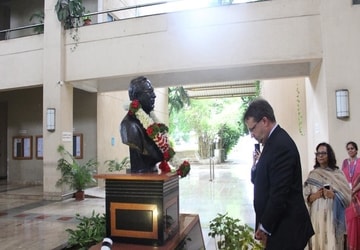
(342, 103)
(50, 119)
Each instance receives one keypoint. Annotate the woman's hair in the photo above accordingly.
(352, 144)
(330, 156)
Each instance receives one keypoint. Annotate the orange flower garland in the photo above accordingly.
(158, 133)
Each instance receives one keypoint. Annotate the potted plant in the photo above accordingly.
(77, 176)
(230, 234)
(114, 165)
(88, 232)
(69, 13)
(39, 15)
(86, 18)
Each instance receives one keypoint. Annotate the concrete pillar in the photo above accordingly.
(56, 94)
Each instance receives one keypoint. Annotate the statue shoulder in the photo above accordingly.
(131, 130)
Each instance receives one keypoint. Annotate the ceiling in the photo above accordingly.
(221, 89)
(207, 83)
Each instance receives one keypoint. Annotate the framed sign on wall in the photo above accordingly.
(78, 146)
(39, 147)
(22, 147)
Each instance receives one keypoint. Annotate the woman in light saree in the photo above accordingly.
(328, 194)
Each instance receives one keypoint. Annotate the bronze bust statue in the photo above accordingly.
(144, 153)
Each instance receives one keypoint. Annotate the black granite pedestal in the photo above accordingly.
(142, 208)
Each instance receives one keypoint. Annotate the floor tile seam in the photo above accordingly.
(22, 208)
(37, 221)
(16, 188)
(39, 217)
(42, 205)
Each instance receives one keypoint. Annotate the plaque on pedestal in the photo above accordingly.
(142, 208)
(190, 237)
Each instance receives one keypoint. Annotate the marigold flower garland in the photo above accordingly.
(158, 133)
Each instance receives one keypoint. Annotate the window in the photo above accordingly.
(39, 147)
(22, 147)
(78, 146)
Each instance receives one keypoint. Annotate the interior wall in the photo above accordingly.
(25, 119)
(144, 43)
(116, 4)
(289, 104)
(323, 32)
(341, 40)
(21, 12)
(3, 140)
(4, 20)
(110, 113)
(84, 117)
(317, 108)
(337, 70)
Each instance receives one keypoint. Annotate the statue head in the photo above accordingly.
(140, 89)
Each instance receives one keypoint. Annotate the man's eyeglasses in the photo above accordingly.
(252, 129)
(321, 153)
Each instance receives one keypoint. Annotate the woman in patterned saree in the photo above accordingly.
(351, 169)
(327, 193)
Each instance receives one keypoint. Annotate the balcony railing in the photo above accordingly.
(5, 34)
(123, 13)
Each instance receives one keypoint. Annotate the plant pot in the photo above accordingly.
(79, 195)
(87, 21)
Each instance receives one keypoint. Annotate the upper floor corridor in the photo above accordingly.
(260, 40)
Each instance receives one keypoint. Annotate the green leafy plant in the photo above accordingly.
(69, 12)
(39, 16)
(182, 244)
(89, 231)
(229, 136)
(114, 165)
(77, 176)
(298, 107)
(231, 234)
(177, 99)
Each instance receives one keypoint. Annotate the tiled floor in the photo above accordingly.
(27, 222)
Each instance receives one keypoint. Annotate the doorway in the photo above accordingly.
(3, 140)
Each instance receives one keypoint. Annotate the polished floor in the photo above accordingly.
(28, 222)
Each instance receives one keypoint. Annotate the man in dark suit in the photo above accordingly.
(282, 219)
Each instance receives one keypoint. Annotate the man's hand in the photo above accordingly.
(261, 236)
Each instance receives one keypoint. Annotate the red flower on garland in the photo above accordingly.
(183, 169)
(166, 155)
(155, 129)
(134, 106)
(164, 167)
(158, 133)
(150, 131)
